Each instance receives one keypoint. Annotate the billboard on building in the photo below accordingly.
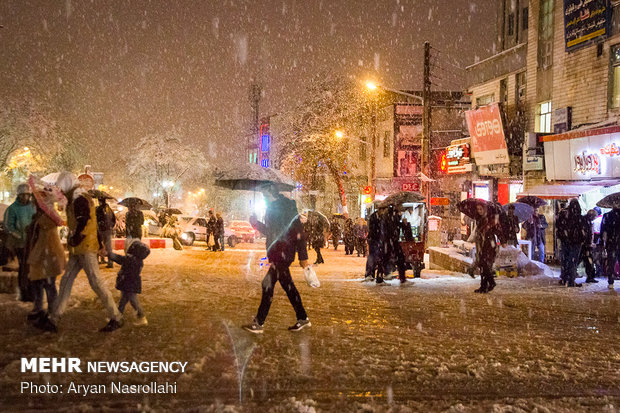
(408, 163)
(585, 21)
(488, 142)
(408, 132)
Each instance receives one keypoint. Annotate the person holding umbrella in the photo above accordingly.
(510, 226)
(610, 237)
(535, 232)
(571, 228)
(284, 234)
(134, 219)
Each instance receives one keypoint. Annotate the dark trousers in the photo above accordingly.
(349, 247)
(588, 261)
(49, 286)
(25, 286)
(570, 258)
(216, 240)
(361, 246)
(279, 272)
(373, 262)
(613, 254)
(336, 241)
(131, 298)
(487, 275)
(319, 256)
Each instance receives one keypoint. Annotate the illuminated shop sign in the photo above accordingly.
(585, 163)
(610, 150)
(458, 157)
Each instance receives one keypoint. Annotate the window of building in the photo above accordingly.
(386, 144)
(524, 16)
(485, 100)
(363, 148)
(545, 34)
(543, 117)
(503, 91)
(520, 83)
(615, 77)
(511, 24)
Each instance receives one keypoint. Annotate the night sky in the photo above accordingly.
(117, 70)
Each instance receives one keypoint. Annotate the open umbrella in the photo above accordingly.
(469, 206)
(140, 203)
(251, 177)
(172, 211)
(522, 211)
(609, 200)
(402, 197)
(98, 194)
(533, 201)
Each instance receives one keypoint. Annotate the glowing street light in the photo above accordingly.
(371, 85)
(339, 134)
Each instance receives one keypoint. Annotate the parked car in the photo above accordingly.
(242, 230)
(192, 229)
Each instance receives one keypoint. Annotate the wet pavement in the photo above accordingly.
(431, 345)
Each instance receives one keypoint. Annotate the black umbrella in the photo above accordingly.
(533, 201)
(140, 203)
(469, 207)
(522, 211)
(98, 194)
(609, 201)
(172, 211)
(402, 197)
(252, 177)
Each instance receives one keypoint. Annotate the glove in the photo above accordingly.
(75, 240)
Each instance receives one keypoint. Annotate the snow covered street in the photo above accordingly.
(434, 345)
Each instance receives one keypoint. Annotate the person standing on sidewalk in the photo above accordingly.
(284, 234)
(84, 243)
(17, 217)
(105, 223)
(218, 233)
(572, 233)
(134, 219)
(488, 231)
(211, 226)
(610, 238)
(587, 251)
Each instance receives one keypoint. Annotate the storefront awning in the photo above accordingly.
(567, 190)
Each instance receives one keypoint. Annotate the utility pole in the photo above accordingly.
(373, 151)
(426, 122)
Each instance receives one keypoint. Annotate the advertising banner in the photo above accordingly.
(458, 159)
(487, 135)
(585, 21)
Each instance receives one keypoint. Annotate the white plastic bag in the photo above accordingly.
(311, 278)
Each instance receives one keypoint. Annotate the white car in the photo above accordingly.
(195, 229)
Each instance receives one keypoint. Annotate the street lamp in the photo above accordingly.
(339, 134)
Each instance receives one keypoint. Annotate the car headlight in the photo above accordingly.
(184, 236)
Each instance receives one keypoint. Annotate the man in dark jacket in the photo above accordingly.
(610, 237)
(587, 251)
(510, 226)
(336, 232)
(284, 235)
(375, 257)
(392, 251)
(218, 233)
(488, 231)
(535, 232)
(134, 219)
(105, 223)
(211, 227)
(572, 234)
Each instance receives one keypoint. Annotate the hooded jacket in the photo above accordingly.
(129, 277)
(283, 231)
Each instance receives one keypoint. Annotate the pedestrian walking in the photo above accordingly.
(374, 262)
(535, 232)
(610, 237)
(106, 222)
(284, 234)
(336, 233)
(211, 228)
(46, 260)
(84, 243)
(318, 237)
(218, 234)
(349, 237)
(488, 232)
(510, 226)
(134, 219)
(361, 234)
(17, 217)
(587, 250)
(390, 243)
(129, 278)
(571, 229)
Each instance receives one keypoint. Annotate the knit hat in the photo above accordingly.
(23, 189)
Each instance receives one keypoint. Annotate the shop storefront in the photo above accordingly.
(579, 164)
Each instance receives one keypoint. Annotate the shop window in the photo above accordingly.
(615, 77)
(485, 100)
(543, 117)
(545, 34)
(386, 144)
(524, 16)
(363, 148)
